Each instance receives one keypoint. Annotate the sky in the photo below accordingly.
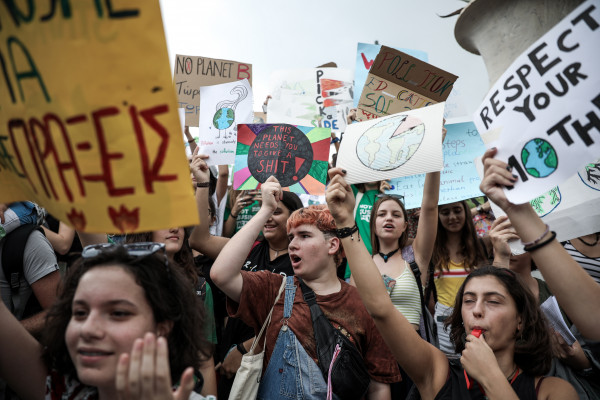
(293, 34)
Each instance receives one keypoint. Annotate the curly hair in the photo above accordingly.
(183, 258)
(374, 239)
(532, 341)
(320, 217)
(471, 247)
(168, 292)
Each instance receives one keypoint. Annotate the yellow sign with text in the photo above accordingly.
(89, 127)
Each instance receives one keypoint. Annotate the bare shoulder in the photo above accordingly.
(555, 388)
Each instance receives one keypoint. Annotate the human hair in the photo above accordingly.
(184, 258)
(471, 247)
(291, 201)
(403, 239)
(532, 341)
(319, 217)
(169, 293)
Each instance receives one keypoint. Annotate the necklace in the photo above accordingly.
(388, 255)
(511, 378)
(277, 251)
(591, 244)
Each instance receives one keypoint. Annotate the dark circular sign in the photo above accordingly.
(280, 150)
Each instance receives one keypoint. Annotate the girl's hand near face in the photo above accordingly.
(497, 175)
(145, 373)
(271, 194)
(340, 199)
(479, 361)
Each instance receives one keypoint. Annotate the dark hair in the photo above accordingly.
(471, 247)
(291, 201)
(532, 341)
(168, 292)
(374, 239)
(184, 258)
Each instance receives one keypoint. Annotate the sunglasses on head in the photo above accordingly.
(398, 197)
(134, 250)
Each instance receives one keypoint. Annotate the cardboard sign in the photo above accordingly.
(399, 145)
(547, 105)
(365, 56)
(398, 82)
(317, 97)
(191, 72)
(296, 155)
(222, 108)
(93, 139)
(459, 179)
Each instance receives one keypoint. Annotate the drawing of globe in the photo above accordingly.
(223, 118)
(390, 143)
(539, 158)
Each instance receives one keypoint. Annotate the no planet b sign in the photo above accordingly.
(296, 155)
(547, 105)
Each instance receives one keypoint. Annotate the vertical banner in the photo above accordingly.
(296, 155)
(399, 82)
(84, 133)
(222, 108)
(191, 72)
(546, 106)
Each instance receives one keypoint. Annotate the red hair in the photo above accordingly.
(319, 217)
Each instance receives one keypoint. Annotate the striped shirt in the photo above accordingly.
(447, 283)
(591, 265)
(405, 296)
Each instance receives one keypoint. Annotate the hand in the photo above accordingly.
(241, 202)
(384, 185)
(198, 166)
(500, 234)
(3, 207)
(145, 374)
(271, 193)
(496, 176)
(570, 355)
(340, 199)
(444, 130)
(478, 359)
(351, 116)
(228, 368)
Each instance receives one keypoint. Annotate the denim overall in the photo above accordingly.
(291, 373)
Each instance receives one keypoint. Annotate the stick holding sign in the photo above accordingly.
(222, 108)
(403, 144)
(548, 106)
(296, 155)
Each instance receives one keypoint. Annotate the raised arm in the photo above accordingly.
(426, 365)
(225, 271)
(222, 182)
(427, 227)
(200, 239)
(577, 293)
(61, 242)
(500, 234)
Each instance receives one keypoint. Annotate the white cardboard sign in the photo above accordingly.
(547, 106)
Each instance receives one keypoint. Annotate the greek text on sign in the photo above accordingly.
(547, 105)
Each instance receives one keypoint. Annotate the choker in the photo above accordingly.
(591, 244)
(388, 255)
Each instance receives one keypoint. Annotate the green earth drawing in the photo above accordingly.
(223, 118)
(539, 158)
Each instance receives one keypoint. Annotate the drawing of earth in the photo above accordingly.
(390, 143)
(539, 158)
(223, 118)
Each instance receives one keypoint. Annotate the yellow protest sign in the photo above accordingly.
(88, 115)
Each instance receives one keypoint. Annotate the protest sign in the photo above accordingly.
(84, 134)
(570, 209)
(296, 155)
(459, 179)
(399, 145)
(317, 97)
(365, 56)
(547, 105)
(191, 72)
(222, 108)
(398, 82)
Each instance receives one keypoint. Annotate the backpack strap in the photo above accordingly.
(13, 251)
(417, 273)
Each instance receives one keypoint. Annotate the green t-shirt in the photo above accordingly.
(363, 214)
(244, 216)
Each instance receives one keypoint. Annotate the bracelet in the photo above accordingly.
(536, 241)
(202, 184)
(335, 140)
(241, 349)
(542, 244)
(345, 232)
(233, 216)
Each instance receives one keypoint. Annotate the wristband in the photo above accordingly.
(241, 349)
(542, 244)
(233, 216)
(536, 241)
(335, 140)
(202, 184)
(345, 232)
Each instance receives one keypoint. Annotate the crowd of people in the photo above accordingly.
(445, 312)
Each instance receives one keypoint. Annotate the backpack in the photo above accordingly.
(13, 251)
